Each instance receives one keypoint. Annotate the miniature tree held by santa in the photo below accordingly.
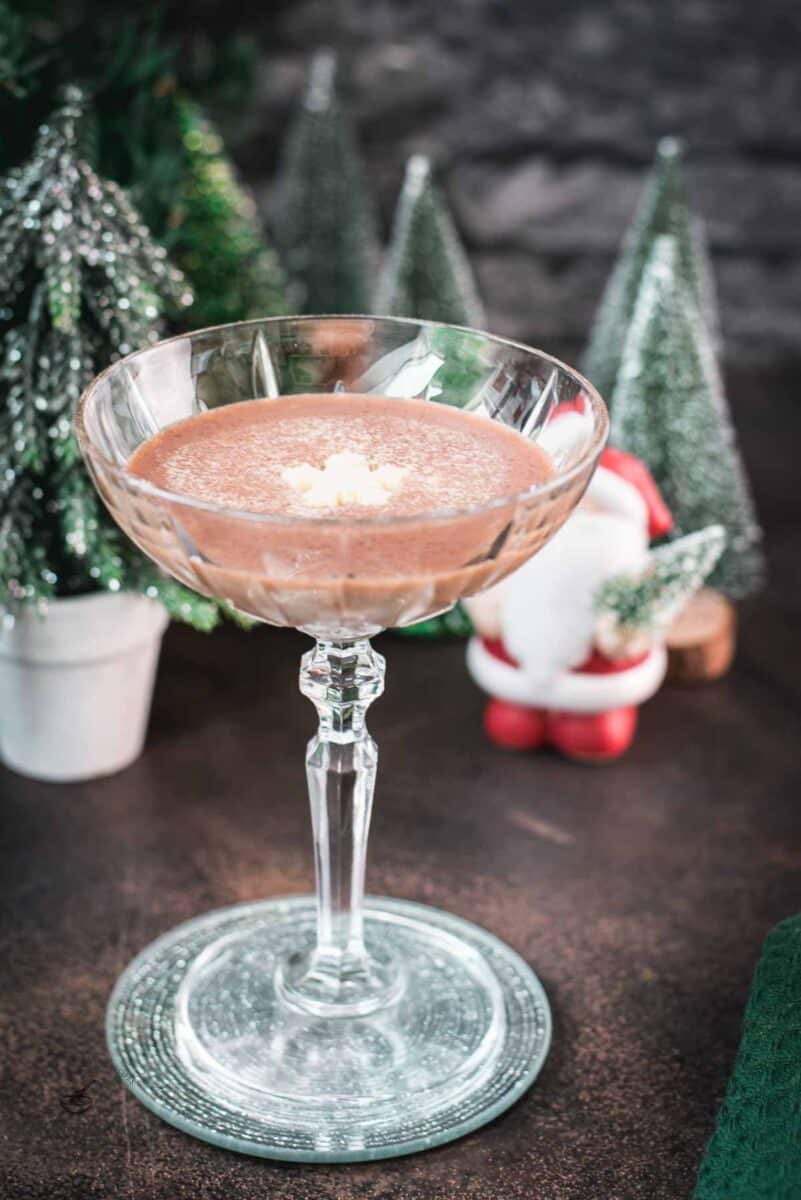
(84, 284)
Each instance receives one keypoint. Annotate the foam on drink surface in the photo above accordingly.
(340, 455)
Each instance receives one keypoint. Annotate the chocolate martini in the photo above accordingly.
(372, 508)
(336, 1028)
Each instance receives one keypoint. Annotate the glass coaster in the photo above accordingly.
(200, 1032)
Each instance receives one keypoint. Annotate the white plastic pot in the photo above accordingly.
(76, 685)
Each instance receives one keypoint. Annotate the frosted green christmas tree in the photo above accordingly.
(426, 272)
(630, 607)
(82, 283)
(706, 288)
(663, 209)
(324, 224)
(427, 275)
(214, 232)
(669, 409)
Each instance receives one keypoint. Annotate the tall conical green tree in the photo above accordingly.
(647, 601)
(427, 275)
(426, 272)
(669, 409)
(324, 224)
(214, 232)
(663, 209)
(147, 132)
(707, 290)
(83, 283)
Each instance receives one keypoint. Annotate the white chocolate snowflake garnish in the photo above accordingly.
(345, 479)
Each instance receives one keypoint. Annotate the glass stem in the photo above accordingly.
(341, 679)
(338, 976)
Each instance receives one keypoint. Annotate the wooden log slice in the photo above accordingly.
(702, 639)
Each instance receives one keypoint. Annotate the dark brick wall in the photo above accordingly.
(541, 117)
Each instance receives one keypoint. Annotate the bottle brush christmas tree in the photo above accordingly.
(324, 225)
(633, 611)
(669, 409)
(426, 273)
(662, 210)
(215, 235)
(83, 283)
(148, 132)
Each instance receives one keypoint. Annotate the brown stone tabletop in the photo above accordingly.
(640, 892)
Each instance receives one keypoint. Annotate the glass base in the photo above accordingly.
(202, 1031)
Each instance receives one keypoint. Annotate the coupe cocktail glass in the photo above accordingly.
(331, 1028)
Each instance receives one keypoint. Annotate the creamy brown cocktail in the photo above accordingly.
(366, 509)
(334, 1028)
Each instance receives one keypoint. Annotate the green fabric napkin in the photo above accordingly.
(755, 1151)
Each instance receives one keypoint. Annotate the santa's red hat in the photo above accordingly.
(623, 484)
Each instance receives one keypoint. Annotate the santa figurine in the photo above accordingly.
(560, 670)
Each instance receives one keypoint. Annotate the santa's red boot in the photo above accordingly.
(514, 726)
(592, 737)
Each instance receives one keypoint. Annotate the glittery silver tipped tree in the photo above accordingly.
(669, 409)
(148, 131)
(81, 283)
(663, 209)
(426, 272)
(324, 224)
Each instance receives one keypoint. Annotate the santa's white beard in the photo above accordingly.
(547, 607)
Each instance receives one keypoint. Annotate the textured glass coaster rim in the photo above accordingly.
(474, 935)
